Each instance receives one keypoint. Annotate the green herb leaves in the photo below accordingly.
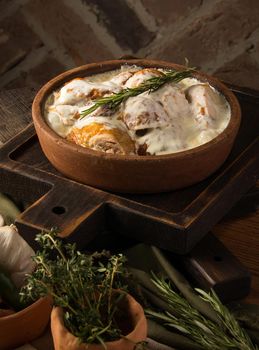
(151, 85)
(83, 285)
(181, 315)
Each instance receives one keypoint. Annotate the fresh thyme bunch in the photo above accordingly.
(83, 285)
(151, 85)
(182, 316)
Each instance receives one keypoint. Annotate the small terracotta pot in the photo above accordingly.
(133, 173)
(134, 327)
(26, 325)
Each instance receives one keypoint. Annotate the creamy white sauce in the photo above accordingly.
(176, 117)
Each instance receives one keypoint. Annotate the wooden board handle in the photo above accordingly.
(67, 209)
(211, 265)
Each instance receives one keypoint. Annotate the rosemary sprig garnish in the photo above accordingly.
(151, 85)
(186, 319)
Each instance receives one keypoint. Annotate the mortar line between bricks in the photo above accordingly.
(83, 10)
(168, 33)
(12, 7)
(60, 53)
(230, 54)
(34, 58)
(144, 16)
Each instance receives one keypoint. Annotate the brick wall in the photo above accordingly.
(41, 38)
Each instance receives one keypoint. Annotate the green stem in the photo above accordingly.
(110, 286)
(209, 334)
(39, 261)
(56, 246)
(52, 293)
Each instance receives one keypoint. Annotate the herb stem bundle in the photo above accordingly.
(84, 286)
(189, 321)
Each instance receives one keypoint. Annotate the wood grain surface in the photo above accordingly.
(14, 112)
(239, 230)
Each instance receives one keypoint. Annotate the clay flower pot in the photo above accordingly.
(133, 173)
(24, 326)
(133, 326)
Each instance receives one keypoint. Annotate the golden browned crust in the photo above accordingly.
(99, 137)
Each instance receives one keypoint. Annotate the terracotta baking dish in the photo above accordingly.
(133, 174)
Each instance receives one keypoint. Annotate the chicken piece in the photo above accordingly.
(79, 89)
(142, 75)
(126, 73)
(121, 78)
(101, 137)
(54, 121)
(207, 105)
(174, 102)
(143, 112)
(68, 114)
(157, 109)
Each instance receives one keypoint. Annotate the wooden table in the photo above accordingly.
(239, 230)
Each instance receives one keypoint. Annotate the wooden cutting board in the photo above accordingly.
(174, 221)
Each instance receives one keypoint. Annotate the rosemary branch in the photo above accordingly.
(151, 85)
(227, 319)
(186, 319)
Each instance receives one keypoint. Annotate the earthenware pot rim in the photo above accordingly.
(24, 311)
(104, 66)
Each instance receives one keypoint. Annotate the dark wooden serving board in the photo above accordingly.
(174, 221)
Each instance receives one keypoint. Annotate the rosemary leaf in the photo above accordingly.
(227, 319)
(203, 331)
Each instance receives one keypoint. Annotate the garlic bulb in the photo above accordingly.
(15, 255)
(8, 210)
